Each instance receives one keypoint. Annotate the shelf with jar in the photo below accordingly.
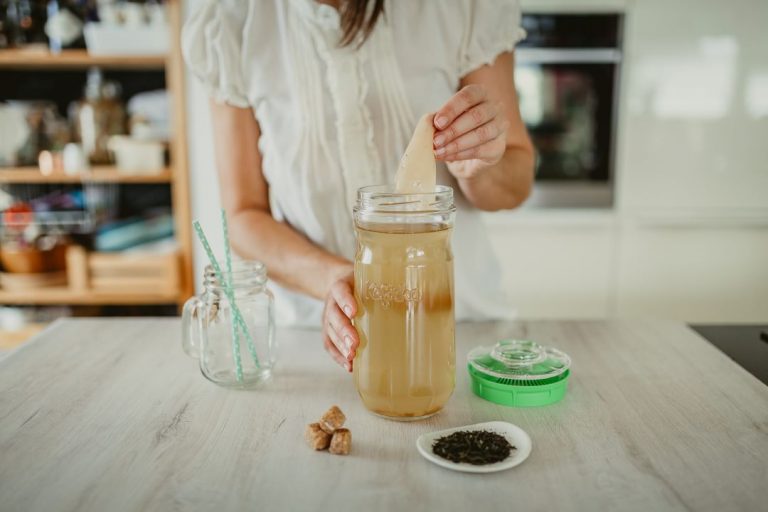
(126, 256)
(42, 58)
(134, 30)
(98, 174)
(93, 156)
(72, 275)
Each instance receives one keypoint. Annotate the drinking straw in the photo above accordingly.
(233, 327)
(228, 255)
(238, 318)
(227, 292)
(217, 270)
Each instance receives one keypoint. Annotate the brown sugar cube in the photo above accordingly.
(316, 437)
(332, 419)
(341, 442)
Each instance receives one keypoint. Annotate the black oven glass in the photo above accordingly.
(566, 78)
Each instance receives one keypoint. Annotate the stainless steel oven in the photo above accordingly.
(567, 78)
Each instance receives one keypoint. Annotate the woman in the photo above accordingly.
(312, 100)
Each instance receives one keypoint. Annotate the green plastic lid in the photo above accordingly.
(519, 373)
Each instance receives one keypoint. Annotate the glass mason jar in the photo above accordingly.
(405, 364)
(207, 327)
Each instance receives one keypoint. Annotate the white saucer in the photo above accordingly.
(516, 436)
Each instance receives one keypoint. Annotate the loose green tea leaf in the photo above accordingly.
(478, 447)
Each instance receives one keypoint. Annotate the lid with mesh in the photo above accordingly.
(519, 360)
(519, 373)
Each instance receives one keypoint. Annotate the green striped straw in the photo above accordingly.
(238, 318)
(233, 327)
(230, 295)
(217, 269)
(228, 254)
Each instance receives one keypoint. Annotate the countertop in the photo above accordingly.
(111, 415)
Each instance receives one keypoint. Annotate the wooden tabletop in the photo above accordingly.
(111, 415)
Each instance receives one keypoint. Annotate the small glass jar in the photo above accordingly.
(405, 365)
(207, 327)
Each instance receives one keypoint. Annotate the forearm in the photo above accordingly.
(504, 185)
(291, 259)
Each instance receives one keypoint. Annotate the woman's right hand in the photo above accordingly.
(339, 336)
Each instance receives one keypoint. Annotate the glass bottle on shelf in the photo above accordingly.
(98, 116)
(14, 17)
(40, 116)
(64, 27)
(4, 39)
(24, 22)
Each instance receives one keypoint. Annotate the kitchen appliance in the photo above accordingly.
(405, 364)
(567, 78)
(745, 344)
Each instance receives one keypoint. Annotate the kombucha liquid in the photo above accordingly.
(405, 364)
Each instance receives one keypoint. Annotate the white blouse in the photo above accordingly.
(336, 119)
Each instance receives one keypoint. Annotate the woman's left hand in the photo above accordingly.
(470, 132)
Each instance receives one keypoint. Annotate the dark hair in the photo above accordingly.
(358, 17)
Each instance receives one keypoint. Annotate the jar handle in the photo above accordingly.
(190, 327)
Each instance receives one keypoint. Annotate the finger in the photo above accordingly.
(335, 354)
(475, 138)
(341, 345)
(466, 98)
(477, 116)
(341, 332)
(341, 292)
(490, 151)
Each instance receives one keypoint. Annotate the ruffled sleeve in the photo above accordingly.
(211, 43)
(491, 27)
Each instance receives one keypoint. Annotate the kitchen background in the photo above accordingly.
(650, 119)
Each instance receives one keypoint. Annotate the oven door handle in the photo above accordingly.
(567, 55)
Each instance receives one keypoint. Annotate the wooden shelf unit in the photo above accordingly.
(177, 175)
(63, 295)
(106, 278)
(76, 59)
(101, 174)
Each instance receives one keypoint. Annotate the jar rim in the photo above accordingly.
(385, 199)
(244, 272)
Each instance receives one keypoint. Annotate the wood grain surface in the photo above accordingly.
(111, 415)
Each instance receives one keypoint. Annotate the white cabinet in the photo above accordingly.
(693, 269)
(692, 161)
(693, 131)
(693, 273)
(556, 265)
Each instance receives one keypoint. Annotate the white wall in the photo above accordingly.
(689, 237)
